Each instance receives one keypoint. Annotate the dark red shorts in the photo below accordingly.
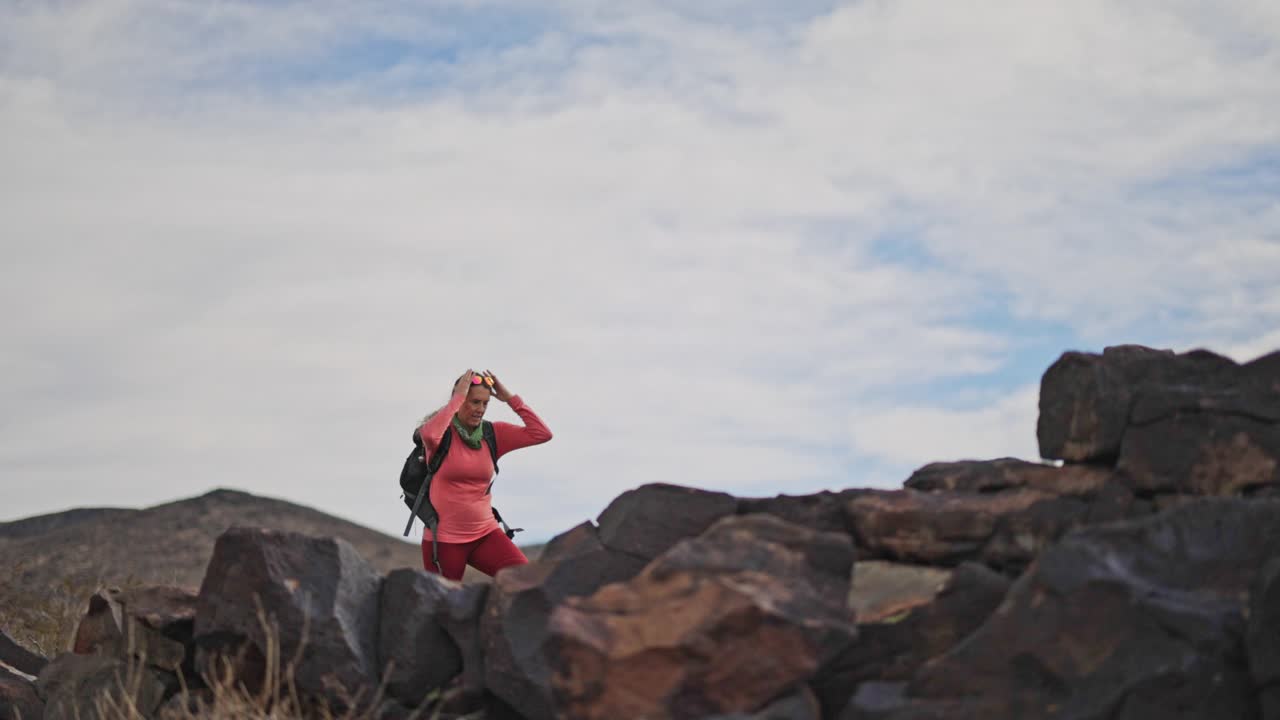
(488, 554)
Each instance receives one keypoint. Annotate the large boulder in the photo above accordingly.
(416, 653)
(1134, 620)
(521, 599)
(316, 596)
(1085, 398)
(18, 697)
(723, 623)
(644, 522)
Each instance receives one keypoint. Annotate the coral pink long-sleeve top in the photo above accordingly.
(460, 488)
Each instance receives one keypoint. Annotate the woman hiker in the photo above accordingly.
(467, 532)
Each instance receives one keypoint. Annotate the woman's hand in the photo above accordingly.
(464, 383)
(500, 391)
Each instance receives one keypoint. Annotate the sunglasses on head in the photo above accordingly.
(486, 379)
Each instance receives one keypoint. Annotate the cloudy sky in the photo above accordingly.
(758, 247)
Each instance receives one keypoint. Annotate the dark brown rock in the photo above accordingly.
(1203, 453)
(20, 658)
(1263, 638)
(1085, 398)
(986, 476)
(416, 654)
(152, 624)
(822, 511)
(648, 520)
(460, 618)
(720, 624)
(1139, 619)
(514, 625)
(1002, 529)
(316, 591)
(18, 698)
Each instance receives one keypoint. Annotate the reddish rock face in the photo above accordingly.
(1003, 529)
(720, 624)
(513, 627)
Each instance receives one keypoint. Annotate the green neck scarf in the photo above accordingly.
(471, 437)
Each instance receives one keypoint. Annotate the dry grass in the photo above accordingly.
(45, 620)
(225, 696)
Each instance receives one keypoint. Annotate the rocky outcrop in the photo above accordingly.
(1121, 584)
(747, 612)
(1085, 398)
(1091, 403)
(1144, 619)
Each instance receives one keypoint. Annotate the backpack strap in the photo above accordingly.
(491, 437)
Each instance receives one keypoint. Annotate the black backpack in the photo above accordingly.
(415, 482)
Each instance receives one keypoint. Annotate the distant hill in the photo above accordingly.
(41, 524)
(169, 543)
(62, 557)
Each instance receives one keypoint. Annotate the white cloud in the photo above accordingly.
(914, 436)
(671, 233)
